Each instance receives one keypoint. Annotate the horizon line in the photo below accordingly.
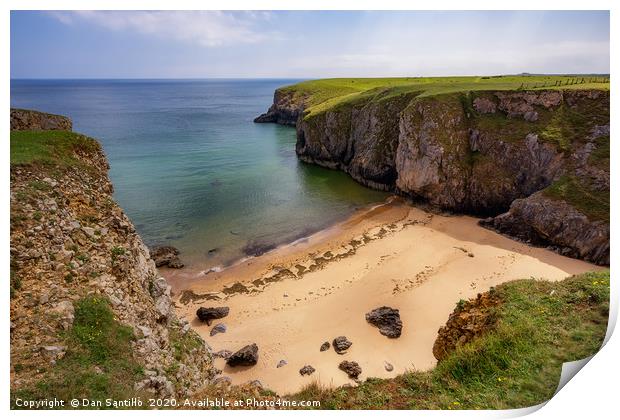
(524, 74)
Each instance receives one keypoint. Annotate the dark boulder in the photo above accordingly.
(306, 370)
(352, 369)
(207, 314)
(387, 320)
(247, 356)
(341, 344)
(325, 346)
(166, 256)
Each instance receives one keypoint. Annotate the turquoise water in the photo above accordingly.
(191, 169)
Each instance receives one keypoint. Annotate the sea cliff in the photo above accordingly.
(90, 315)
(535, 163)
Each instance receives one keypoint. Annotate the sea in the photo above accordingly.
(192, 170)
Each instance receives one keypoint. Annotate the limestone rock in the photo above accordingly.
(166, 256)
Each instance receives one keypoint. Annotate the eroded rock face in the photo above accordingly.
(166, 256)
(469, 320)
(545, 221)
(25, 119)
(61, 257)
(519, 104)
(387, 320)
(341, 344)
(246, 356)
(209, 314)
(472, 152)
(353, 369)
(285, 109)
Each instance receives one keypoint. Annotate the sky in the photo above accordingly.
(305, 44)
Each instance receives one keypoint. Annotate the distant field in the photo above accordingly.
(326, 93)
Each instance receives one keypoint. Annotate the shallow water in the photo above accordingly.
(191, 169)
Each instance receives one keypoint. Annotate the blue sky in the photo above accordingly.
(143, 44)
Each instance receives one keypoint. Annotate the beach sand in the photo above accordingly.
(291, 300)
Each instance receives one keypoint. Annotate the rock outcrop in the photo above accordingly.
(71, 241)
(469, 320)
(25, 119)
(544, 221)
(166, 256)
(286, 109)
(471, 152)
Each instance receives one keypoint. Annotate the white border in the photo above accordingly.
(592, 393)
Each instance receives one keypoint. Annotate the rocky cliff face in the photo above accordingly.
(25, 119)
(285, 110)
(71, 241)
(473, 152)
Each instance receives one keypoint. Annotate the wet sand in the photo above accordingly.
(292, 299)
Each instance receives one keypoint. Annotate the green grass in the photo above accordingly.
(57, 148)
(540, 325)
(579, 193)
(324, 94)
(183, 344)
(98, 362)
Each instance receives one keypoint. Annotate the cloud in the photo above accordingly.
(206, 28)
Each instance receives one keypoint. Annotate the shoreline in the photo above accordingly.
(195, 272)
(293, 298)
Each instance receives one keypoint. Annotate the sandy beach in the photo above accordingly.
(292, 299)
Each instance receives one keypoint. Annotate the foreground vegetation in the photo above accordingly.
(540, 325)
(97, 363)
(325, 94)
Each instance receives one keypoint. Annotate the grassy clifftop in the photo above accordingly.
(323, 94)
